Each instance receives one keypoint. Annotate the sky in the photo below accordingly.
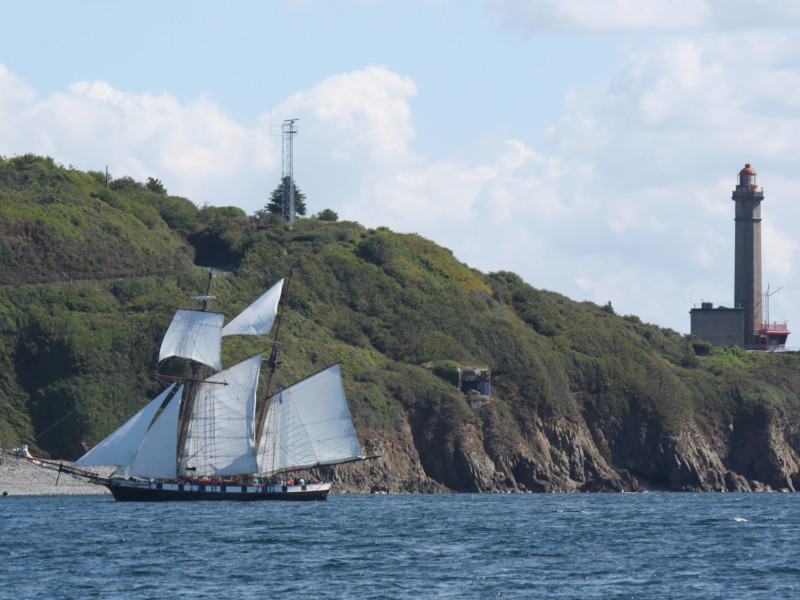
(590, 146)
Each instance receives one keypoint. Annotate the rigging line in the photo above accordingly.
(272, 363)
(277, 414)
(74, 410)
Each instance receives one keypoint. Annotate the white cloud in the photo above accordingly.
(602, 16)
(194, 148)
(364, 115)
(665, 138)
(779, 253)
(626, 199)
(16, 99)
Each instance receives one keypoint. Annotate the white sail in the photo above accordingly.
(157, 454)
(257, 318)
(308, 424)
(220, 434)
(196, 335)
(120, 447)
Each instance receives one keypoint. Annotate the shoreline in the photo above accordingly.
(20, 477)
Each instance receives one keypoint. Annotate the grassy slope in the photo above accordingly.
(76, 358)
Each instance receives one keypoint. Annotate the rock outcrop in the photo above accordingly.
(577, 453)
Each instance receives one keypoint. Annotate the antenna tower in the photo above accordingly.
(287, 177)
(767, 296)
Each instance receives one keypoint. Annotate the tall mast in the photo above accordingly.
(272, 363)
(189, 390)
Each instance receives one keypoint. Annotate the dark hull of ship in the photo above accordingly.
(142, 491)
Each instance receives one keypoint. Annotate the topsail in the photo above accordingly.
(257, 318)
(196, 335)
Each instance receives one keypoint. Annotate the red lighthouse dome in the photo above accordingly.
(747, 176)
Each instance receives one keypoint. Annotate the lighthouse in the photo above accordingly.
(747, 269)
(747, 323)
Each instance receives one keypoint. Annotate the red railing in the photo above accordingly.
(773, 327)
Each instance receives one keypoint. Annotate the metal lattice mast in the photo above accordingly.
(287, 177)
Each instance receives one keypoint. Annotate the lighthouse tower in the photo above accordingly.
(747, 271)
(747, 324)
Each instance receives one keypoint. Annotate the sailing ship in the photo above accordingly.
(201, 438)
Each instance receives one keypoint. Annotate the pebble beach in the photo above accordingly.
(21, 477)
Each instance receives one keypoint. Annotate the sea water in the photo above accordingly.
(661, 545)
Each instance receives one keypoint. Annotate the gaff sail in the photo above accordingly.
(308, 424)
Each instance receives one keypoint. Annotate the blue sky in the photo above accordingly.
(254, 55)
(589, 145)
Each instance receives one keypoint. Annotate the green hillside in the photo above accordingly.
(90, 276)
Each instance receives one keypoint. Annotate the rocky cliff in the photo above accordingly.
(579, 452)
